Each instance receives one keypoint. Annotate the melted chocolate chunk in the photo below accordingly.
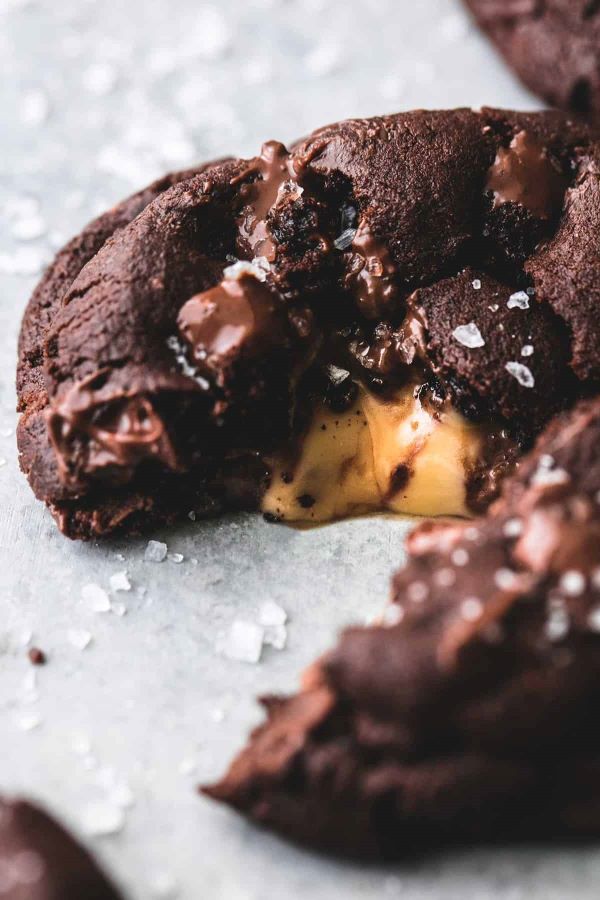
(239, 318)
(523, 173)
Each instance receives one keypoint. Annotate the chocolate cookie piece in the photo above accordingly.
(469, 714)
(165, 373)
(553, 46)
(39, 860)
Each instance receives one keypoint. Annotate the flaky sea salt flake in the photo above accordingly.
(96, 597)
(469, 336)
(244, 642)
(519, 300)
(155, 551)
(522, 373)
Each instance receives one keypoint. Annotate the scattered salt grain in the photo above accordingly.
(471, 609)
(276, 636)
(96, 597)
(120, 582)
(527, 350)
(504, 579)
(187, 766)
(460, 557)
(244, 642)
(417, 591)
(102, 819)
(79, 638)
(520, 300)
(345, 239)
(445, 577)
(176, 557)
(155, 551)
(29, 722)
(337, 375)
(35, 108)
(594, 619)
(192, 515)
(2, 461)
(469, 336)
(522, 373)
(513, 528)
(272, 614)
(119, 609)
(476, 283)
(100, 78)
(572, 583)
(392, 615)
(557, 623)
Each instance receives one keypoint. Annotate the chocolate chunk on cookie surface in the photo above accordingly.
(177, 352)
(39, 860)
(469, 713)
(553, 46)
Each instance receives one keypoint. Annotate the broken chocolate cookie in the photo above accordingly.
(384, 317)
(469, 713)
(553, 46)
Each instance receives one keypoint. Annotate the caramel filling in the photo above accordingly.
(380, 454)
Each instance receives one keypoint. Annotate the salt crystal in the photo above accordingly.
(119, 609)
(99, 78)
(460, 557)
(523, 375)
(572, 583)
(2, 461)
(469, 336)
(527, 350)
(272, 614)
(471, 609)
(323, 59)
(192, 515)
(417, 591)
(212, 33)
(345, 239)
(28, 228)
(187, 766)
(79, 638)
(96, 597)
(520, 300)
(244, 642)
(594, 619)
(23, 261)
(557, 623)
(504, 579)
(275, 636)
(494, 307)
(176, 557)
(476, 283)
(513, 527)
(29, 722)
(120, 582)
(155, 551)
(337, 375)
(101, 819)
(35, 108)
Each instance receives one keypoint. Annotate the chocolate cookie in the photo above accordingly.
(553, 46)
(430, 275)
(469, 714)
(39, 860)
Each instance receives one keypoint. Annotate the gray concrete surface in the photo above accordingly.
(96, 98)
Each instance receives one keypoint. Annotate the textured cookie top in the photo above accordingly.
(554, 45)
(481, 226)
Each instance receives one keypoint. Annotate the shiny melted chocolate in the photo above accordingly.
(118, 434)
(239, 318)
(525, 174)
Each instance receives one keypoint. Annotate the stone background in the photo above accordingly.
(96, 99)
